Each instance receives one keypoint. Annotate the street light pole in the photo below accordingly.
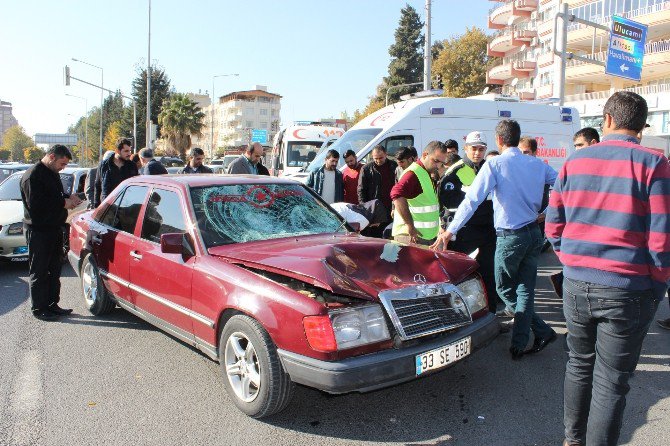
(211, 142)
(102, 87)
(83, 152)
(148, 126)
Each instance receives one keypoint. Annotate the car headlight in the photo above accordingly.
(359, 326)
(473, 293)
(15, 229)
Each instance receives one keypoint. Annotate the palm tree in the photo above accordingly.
(180, 117)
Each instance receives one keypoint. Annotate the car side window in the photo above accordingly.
(164, 215)
(392, 144)
(122, 215)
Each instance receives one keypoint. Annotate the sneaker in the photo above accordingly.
(505, 312)
(664, 323)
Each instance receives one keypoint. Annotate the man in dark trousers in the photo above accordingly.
(45, 211)
(376, 181)
(195, 162)
(327, 180)
(608, 223)
(113, 171)
(150, 165)
(479, 232)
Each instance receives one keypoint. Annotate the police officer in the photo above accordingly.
(479, 233)
(45, 211)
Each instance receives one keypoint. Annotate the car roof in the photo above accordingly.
(74, 169)
(199, 180)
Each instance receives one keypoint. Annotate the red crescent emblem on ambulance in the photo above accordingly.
(295, 134)
(381, 118)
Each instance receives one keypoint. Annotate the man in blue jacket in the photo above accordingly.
(327, 180)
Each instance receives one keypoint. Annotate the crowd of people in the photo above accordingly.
(607, 219)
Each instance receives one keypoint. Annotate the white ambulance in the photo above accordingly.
(296, 146)
(416, 122)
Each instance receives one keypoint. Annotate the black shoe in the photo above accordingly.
(516, 352)
(540, 343)
(664, 323)
(504, 328)
(45, 315)
(58, 310)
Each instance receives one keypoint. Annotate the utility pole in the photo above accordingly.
(427, 53)
(148, 126)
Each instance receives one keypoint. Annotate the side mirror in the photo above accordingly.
(356, 226)
(177, 243)
(171, 243)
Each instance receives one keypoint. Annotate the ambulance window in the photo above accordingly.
(392, 145)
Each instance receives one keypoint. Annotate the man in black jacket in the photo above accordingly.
(327, 180)
(150, 165)
(113, 171)
(377, 179)
(45, 211)
(195, 162)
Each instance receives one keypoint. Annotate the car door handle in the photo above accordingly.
(136, 255)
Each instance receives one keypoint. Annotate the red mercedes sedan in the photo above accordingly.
(263, 276)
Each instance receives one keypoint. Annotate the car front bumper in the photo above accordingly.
(382, 369)
(13, 247)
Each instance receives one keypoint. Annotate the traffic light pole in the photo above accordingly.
(68, 77)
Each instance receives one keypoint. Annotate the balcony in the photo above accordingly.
(523, 8)
(545, 28)
(500, 73)
(657, 16)
(500, 15)
(501, 44)
(523, 36)
(545, 91)
(525, 65)
(605, 94)
(526, 95)
(656, 55)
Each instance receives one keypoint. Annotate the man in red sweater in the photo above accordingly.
(350, 177)
(609, 223)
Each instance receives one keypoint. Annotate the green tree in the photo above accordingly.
(180, 117)
(5, 154)
(32, 154)
(463, 63)
(15, 140)
(406, 53)
(160, 91)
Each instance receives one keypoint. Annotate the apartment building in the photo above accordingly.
(523, 40)
(7, 119)
(234, 115)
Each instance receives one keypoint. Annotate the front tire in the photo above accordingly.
(253, 374)
(97, 299)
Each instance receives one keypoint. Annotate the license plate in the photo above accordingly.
(443, 356)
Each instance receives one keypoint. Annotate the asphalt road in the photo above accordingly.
(118, 381)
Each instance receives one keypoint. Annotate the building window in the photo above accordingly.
(264, 125)
(263, 111)
(274, 112)
(249, 111)
(250, 124)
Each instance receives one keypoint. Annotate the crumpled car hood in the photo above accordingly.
(349, 264)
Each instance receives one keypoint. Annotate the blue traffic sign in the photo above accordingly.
(259, 135)
(626, 48)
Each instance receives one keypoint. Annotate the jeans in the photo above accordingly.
(606, 327)
(45, 254)
(515, 274)
(484, 239)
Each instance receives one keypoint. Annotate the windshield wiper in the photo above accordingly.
(342, 225)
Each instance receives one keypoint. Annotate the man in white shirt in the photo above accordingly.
(327, 180)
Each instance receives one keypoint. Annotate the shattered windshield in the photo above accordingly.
(238, 213)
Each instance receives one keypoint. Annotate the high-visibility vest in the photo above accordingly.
(424, 208)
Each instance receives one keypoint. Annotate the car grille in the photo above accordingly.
(426, 309)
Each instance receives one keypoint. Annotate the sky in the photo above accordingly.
(323, 56)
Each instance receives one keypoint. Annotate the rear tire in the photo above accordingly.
(97, 299)
(253, 373)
